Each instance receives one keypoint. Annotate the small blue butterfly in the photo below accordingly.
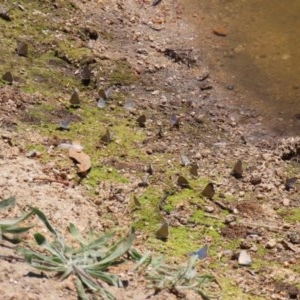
(101, 103)
(202, 252)
(185, 160)
(174, 121)
(65, 124)
(290, 183)
(129, 105)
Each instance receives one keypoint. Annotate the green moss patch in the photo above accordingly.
(290, 215)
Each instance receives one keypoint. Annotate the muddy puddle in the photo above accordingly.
(259, 55)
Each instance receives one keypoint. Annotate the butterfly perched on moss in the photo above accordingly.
(163, 232)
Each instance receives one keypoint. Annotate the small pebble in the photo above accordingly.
(220, 31)
(241, 193)
(260, 196)
(229, 219)
(294, 237)
(255, 180)
(245, 244)
(254, 248)
(244, 258)
(286, 202)
(271, 244)
(209, 209)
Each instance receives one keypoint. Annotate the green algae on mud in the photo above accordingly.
(230, 291)
(290, 215)
(33, 74)
(91, 125)
(182, 239)
(122, 74)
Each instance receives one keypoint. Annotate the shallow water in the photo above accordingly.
(260, 54)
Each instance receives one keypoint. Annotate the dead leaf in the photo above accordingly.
(83, 160)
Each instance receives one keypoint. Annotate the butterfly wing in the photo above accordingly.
(202, 252)
(182, 182)
(74, 100)
(209, 191)
(238, 170)
(163, 232)
(185, 160)
(194, 170)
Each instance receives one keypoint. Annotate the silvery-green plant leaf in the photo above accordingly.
(44, 219)
(82, 295)
(15, 221)
(6, 203)
(119, 249)
(15, 230)
(75, 232)
(142, 260)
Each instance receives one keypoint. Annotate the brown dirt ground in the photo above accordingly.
(141, 29)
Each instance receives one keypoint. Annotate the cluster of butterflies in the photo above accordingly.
(103, 96)
(209, 192)
(163, 232)
(22, 50)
